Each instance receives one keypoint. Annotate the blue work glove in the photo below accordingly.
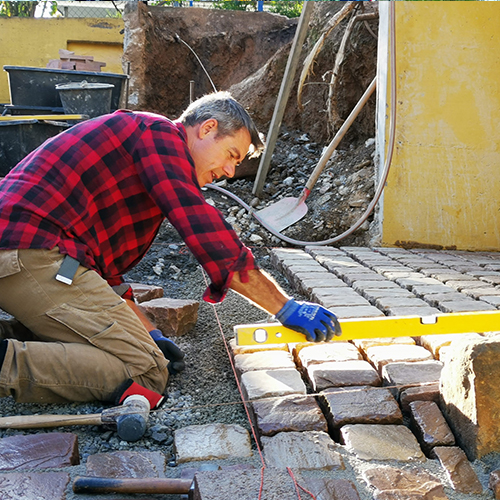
(170, 350)
(314, 321)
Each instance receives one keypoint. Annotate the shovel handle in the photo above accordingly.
(148, 485)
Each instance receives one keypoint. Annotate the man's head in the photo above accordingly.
(220, 134)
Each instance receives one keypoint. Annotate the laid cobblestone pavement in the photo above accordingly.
(353, 420)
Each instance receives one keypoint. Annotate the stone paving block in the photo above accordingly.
(211, 442)
(265, 360)
(381, 442)
(291, 413)
(471, 395)
(125, 464)
(429, 426)
(402, 375)
(245, 485)
(460, 473)
(309, 284)
(409, 283)
(330, 488)
(171, 316)
(386, 304)
(461, 285)
(475, 293)
(357, 312)
(268, 383)
(423, 290)
(332, 351)
(248, 349)
(39, 451)
(394, 275)
(493, 280)
(143, 293)
(334, 301)
(327, 295)
(315, 250)
(360, 405)
(362, 286)
(342, 373)
(380, 356)
(302, 450)
(351, 278)
(434, 299)
(494, 300)
(413, 311)
(391, 483)
(424, 392)
(34, 485)
(434, 343)
(373, 295)
(364, 344)
(449, 275)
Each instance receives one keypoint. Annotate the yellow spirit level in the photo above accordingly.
(368, 328)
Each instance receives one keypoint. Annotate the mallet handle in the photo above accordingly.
(36, 421)
(149, 485)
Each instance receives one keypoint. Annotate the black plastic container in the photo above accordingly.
(19, 138)
(37, 86)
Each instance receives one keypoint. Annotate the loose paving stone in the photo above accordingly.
(429, 426)
(400, 376)
(172, 316)
(424, 392)
(248, 349)
(292, 413)
(471, 395)
(34, 485)
(380, 356)
(360, 405)
(391, 483)
(458, 469)
(211, 442)
(143, 293)
(434, 343)
(330, 489)
(321, 353)
(265, 360)
(358, 312)
(386, 304)
(39, 451)
(342, 373)
(364, 344)
(268, 383)
(302, 450)
(413, 311)
(381, 442)
(126, 464)
(246, 485)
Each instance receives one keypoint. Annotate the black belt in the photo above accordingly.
(67, 270)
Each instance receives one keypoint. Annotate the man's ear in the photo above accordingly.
(207, 127)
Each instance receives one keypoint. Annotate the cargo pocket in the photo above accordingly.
(9, 263)
(96, 328)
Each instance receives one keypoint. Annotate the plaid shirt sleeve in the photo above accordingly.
(168, 174)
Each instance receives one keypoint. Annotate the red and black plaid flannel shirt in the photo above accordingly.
(100, 190)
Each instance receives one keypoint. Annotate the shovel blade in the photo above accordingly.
(283, 213)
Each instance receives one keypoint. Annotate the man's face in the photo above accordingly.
(216, 156)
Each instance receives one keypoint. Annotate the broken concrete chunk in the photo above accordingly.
(342, 373)
(302, 450)
(381, 442)
(268, 383)
(126, 464)
(392, 483)
(430, 426)
(39, 451)
(211, 442)
(458, 469)
(292, 413)
(171, 316)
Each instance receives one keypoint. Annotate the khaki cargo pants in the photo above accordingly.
(86, 340)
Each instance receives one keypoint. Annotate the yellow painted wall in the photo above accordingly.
(444, 184)
(33, 42)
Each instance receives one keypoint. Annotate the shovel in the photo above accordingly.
(288, 211)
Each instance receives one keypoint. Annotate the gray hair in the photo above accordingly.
(230, 116)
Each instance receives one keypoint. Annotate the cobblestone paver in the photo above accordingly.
(350, 409)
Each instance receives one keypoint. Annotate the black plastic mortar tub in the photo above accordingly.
(84, 98)
(19, 138)
(37, 86)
